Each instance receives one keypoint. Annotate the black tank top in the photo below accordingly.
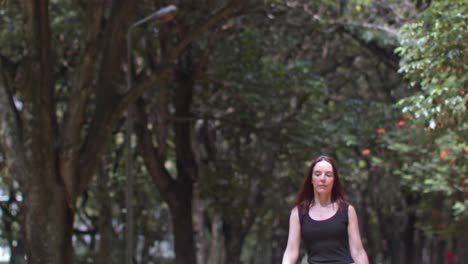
(326, 241)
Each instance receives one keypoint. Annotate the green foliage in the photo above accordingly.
(282, 88)
(258, 106)
(435, 60)
(426, 163)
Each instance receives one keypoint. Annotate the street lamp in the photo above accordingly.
(162, 15)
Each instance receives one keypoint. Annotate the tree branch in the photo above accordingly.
(39, 104)
(81, 91)
(38, 64)
(154, 163)
(182, 101)
(110, 102)
(11, 132)
(224, 13)
(164, 70)
(388, 57)
(109, 105)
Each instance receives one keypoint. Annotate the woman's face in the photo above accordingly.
(323, 177)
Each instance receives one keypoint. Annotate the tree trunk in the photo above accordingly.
(409, 234)
(48, 220)
(181, 215)
(217, 250)
(234, 239)
(48, 224)
(176, 192)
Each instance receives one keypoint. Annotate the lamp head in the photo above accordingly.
(166, 14)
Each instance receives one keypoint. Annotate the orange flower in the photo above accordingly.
(401, 123)
(444, 154)
(381, 131)
(465, 149)
(366, 152)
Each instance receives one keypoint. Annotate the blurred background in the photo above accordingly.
(180, 131)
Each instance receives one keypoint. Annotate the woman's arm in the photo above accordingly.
(291, 254)
(355, 244)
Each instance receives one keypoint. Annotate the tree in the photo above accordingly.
(434, 61)
(52, 158)
(60, 101)
(176, 186)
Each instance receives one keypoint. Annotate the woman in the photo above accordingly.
(324, 220)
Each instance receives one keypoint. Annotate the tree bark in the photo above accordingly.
(48, 224)
(233, 241)
(48, 220)
(410, 230)
(217, 249)
(181, 212)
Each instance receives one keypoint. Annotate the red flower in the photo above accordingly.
(366, 152)
(444, 154)
(381, 131)
(401, 123)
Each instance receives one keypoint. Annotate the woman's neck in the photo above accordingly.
(322, 201)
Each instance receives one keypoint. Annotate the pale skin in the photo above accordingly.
(323, 208)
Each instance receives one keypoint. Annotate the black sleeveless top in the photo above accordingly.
(326, 241)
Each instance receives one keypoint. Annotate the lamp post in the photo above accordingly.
(162, 15)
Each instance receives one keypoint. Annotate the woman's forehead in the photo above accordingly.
(323, 165)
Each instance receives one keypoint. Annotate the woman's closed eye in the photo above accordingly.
(328, 174)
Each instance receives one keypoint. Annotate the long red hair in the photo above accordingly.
(305, 198)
